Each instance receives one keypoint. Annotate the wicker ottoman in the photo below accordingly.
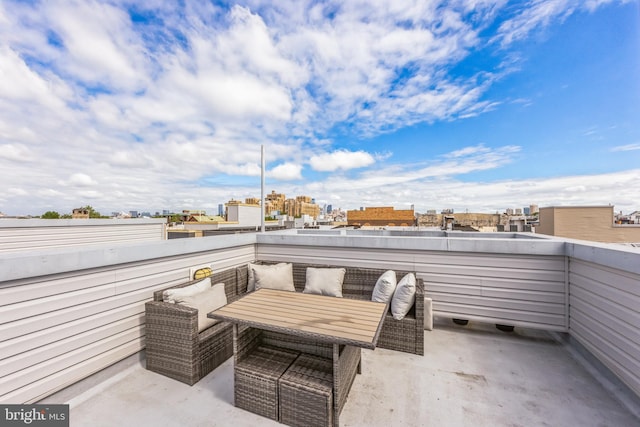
(256, 379)
(306, 392)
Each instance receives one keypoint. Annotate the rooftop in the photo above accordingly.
(470, 375)
(72, 314)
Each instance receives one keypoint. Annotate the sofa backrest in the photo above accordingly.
(229, 277)
(358, 281)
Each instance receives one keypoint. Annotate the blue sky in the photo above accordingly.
(467, 104)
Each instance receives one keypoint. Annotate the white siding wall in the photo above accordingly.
(62, 322)
(605, 308)
(35, 234)
(509, 281)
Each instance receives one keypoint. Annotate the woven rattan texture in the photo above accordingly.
(256, 379)
(306, 392)
(173, 345)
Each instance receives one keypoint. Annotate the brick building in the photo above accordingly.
(595, 223)
(381, 216)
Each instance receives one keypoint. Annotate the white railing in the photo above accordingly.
(69, 312)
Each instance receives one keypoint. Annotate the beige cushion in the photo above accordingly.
(383, 290)
(205, 302)
(279, 276)
(404, 296)
(324, 281)
(251, 281)
(170, 295)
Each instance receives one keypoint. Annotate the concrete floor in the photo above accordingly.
(470, 376)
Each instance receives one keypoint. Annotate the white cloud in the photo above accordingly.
(81, 180)
(16, 152)
(341, 159)
(145, 115)
(286, 172)
(534, 15)
(628, 147)
(99, 43)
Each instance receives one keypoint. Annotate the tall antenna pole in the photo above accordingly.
(262, 207)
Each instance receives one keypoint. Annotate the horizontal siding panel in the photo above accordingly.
(524, 283)
(56, 302)
(14, 239)
(507, 304)
(506, 272)
(606, 326)
(526, 295)
(504, 315)
(474, 259)
(624, 282)
(605, 291)
(431, 289)
(519, 294)
(548, 269)
(47, 385)
(128, 325)
(605, 317)
(53, 286)
(600, 303)
(626, 369)
(335, 256)
(26, 342)
(47, 320)
(33, 373)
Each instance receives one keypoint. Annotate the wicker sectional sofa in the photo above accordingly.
(175, 348)
(405, 335)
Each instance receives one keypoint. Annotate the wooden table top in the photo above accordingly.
(331, 319)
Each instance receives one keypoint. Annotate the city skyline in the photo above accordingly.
(464, 105)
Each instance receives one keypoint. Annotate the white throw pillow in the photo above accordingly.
(324, 281)
(386, 284)
(251, 280)
(279, 276)
(170, 295)
(205, 302)
(404, 296)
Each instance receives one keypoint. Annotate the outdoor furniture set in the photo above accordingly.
(296, 354)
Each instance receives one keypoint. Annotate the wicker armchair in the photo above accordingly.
(175, 348)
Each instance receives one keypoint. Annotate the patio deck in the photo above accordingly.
(470, 375)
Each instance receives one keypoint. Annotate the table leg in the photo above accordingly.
(336, 385)
(235, 344)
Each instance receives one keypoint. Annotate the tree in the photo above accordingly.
(50, 215)
(92, 212)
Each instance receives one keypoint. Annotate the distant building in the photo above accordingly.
(381, 216)
(595, 223)
(464, 221)
(221, 209)
(275, 202)
(80, 213)
(246, 214)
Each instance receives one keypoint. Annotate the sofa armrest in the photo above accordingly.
(419, 317)
(171, 339)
